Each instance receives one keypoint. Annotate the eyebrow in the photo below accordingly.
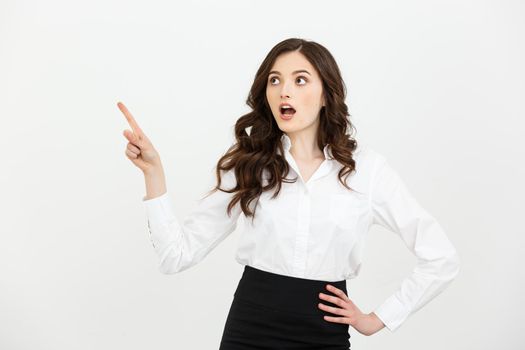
(294, 72)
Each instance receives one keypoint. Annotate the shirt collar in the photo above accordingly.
(287, 144)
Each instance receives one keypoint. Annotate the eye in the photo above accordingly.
(303, 79)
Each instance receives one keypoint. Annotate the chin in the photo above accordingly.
(285, 125)
(289, 129)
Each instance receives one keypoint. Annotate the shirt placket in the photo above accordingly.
(302, 231)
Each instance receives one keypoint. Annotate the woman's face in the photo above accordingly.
(294, 80)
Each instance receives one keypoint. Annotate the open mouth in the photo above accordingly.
(288, 111)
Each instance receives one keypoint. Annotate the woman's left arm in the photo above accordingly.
(438, 262)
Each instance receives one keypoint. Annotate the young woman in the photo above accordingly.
(310, 195)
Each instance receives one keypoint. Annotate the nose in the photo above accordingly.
(285, 90)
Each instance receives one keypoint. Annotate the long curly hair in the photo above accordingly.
(255, 152)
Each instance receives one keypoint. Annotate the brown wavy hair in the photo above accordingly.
(256, 152)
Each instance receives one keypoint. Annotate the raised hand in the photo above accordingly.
(139, 149)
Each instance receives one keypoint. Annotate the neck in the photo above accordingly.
(304, 146)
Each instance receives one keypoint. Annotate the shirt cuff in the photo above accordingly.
(164, 229)
(392, 313)
(159, 210)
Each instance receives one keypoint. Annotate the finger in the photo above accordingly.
(132, 122)
(134, 152)
(331, 309)
(130, 154)
(337, 319)
(133, 148)
(132, 137)
(338, 292)
(334, 300)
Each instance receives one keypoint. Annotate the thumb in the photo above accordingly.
(131, 137)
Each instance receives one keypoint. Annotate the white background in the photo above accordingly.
(438, 87)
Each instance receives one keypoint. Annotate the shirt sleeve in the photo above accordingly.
(181, 244)
(438, 263)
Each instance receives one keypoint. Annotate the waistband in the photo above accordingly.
(285, 293)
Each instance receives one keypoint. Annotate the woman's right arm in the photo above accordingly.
(181, 244)
(155, 183)
(178, 244)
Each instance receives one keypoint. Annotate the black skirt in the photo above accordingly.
(273, 311)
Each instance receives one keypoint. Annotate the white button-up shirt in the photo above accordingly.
(315, 229)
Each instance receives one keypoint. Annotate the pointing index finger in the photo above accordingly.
(136, 129)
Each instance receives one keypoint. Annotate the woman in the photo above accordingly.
(311, 194)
